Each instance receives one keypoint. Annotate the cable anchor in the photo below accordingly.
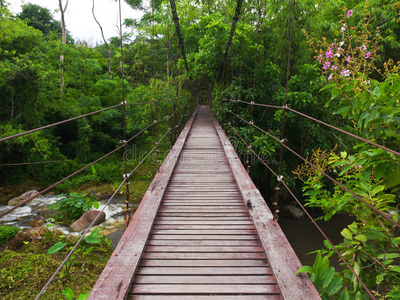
(123, 101)
(123, 142)
(280, 179)
(126, 176)
(283, 140)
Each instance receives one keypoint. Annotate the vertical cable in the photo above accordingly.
(126, 176)
(169, 79)
(280, 177)
(254, 85)
(155, 85)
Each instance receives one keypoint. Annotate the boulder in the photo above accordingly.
(293, 212)
(83, 222)
(23, 197)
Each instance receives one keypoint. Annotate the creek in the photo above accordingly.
(23, 217)
(304, 237)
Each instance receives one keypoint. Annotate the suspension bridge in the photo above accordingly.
(203, 230)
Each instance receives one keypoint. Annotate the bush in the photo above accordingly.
(7, 233)
(73, 207)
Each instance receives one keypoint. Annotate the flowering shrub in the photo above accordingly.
(372, 107)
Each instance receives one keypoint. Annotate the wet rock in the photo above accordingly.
(36, 223)
(24, 236)
(23, 197)
(83, 222)
(293, 212)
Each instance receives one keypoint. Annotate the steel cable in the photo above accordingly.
(91, 225)
(308, 215)
(282, 142)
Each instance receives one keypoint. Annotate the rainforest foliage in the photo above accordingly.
(343, 70)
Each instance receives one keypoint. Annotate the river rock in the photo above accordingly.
(23, 197)
(83, 222)
(24, 236)
(293, 212)
(36, 223)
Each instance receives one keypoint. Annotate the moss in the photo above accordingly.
(23, 275)
(25, 271)
(7, 233)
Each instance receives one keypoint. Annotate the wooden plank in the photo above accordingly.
(201, 222)
(157, 255)
(195, 243)
(207, 297)
(214, 226)
(201, 219)
(206, 232)
(203, 289)
(215, 249)
(116, 278)
(249, 279)
(204, 237)
(203, 214)
(214, 271)
(285, 266)
(204, 263)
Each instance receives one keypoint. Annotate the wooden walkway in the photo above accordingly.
(197, 233)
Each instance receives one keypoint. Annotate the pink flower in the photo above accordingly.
(334, 67)
(319, 58)
(330, 77)
(363, 48)
(349, 13)
(367, 55)
(329, 54)
(327, 64)
(345, 73)
(348, 58)
(343, 27)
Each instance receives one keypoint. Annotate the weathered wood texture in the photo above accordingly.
(282, 258)
(201, 241)
(116, 278)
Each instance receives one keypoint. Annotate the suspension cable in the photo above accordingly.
(57, 123)
(93, 222)
(282, 142)
(33, 163)
(308, 215)
(321, 122)
(76, 172)
(127, 183)
(277, 188)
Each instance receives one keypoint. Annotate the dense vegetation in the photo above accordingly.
(343, 70)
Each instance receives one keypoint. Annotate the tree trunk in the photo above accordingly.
(63, 41)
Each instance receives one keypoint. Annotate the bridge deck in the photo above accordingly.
(202, 240)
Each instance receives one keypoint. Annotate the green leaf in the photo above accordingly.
(347, 234)
(92, 239)
(361, 238)
(93, 169)
(335, 286)
(388, 255)
(68, 293)
(328, 86)
(56, 247)
(305, 269)
(327, 276)
(394, 178)
(343, 154)
(83, 296)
